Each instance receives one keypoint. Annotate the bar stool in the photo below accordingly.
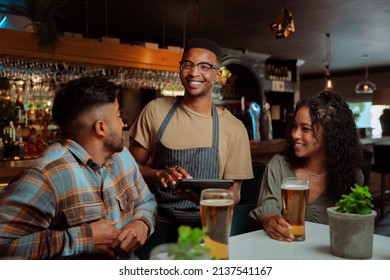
(368, 156)
(382, 165)
(250, 188)
(241, 223)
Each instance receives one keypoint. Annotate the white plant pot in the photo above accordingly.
(351, 235)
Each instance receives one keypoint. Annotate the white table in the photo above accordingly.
(257, 245)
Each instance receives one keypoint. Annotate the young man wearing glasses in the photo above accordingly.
(189, 137)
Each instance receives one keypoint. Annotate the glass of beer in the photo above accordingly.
(216, 209)
(295, 194)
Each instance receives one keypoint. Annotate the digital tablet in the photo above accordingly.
(198, 185)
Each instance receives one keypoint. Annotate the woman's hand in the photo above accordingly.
(277, 227)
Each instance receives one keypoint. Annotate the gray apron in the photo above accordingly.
(200, 163)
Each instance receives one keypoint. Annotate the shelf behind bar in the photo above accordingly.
(91, 51)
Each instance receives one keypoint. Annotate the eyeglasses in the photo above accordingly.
(203, 67)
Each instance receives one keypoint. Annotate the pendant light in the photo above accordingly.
(328, 59)
(365, 86)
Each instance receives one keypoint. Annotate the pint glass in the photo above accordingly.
(295, 194)
(216, 209)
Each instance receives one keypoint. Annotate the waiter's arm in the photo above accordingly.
(151, 175)
(236, 189)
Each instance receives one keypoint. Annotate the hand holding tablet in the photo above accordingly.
(197, 185)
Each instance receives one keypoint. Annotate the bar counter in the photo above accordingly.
(262, 151)
(9, 168)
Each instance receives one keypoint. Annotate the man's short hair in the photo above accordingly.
(81, 95)
(206, 44)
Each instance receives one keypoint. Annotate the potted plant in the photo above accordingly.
(41, 13)
(189, 246)
(351, 224)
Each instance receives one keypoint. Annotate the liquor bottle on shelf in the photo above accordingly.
(279, 72)
(9, 133)
(21, 148)
(246, 118)
(268, 122)
(12, 132)
(288, 74)
(1, 148)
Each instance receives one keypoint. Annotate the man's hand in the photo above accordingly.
(103, 234)
(132, 237)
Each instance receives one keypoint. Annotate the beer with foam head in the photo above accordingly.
(295, 194)
(216, 209)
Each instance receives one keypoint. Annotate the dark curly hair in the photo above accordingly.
(342, 143)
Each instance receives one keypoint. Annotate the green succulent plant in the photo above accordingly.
(42, 14)
(358, 201)
(189, 244)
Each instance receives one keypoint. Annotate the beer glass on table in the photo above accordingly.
(216, 209)
(295, 194)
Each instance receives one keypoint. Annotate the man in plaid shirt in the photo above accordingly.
(85, 197)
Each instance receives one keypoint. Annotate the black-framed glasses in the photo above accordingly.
(203, 67)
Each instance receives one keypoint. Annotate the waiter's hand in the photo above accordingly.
(171, 175)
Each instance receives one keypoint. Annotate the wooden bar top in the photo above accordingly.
(9, 168)
(262, 151)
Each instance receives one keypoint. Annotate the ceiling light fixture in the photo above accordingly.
(365, 86)
(328, 59)
(284, 25)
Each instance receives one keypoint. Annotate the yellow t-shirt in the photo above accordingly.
(189, 129)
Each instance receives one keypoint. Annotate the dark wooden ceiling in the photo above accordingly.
(356, 27)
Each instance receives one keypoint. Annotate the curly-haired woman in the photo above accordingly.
(323, 145)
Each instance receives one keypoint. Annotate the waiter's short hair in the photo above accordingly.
(207, 44)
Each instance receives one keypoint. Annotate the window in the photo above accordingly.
(367, 115)
(376, 112)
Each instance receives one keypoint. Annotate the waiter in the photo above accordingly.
(189, 137)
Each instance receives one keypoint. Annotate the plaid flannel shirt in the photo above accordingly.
(45, 211)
